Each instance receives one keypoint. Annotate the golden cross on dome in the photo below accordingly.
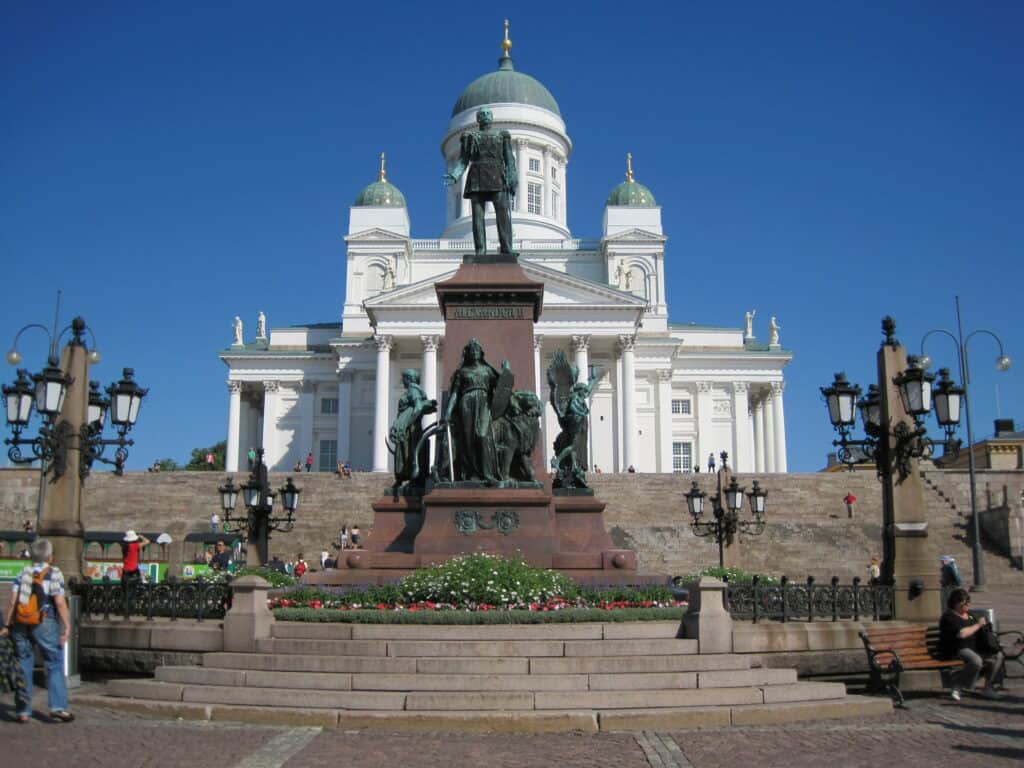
(382, 178)
(629, 166)
(506, 44)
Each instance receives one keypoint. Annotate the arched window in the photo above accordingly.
(637, 282)
(374, 279)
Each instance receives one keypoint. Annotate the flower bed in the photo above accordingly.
(480, 584)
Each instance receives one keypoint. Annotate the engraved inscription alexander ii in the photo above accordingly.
(487, 313)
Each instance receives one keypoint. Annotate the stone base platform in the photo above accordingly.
(554, 677)
(560, 531)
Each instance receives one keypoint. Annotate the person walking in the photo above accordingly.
(215, 522)
(252, 457)
(37, 617)
(711, 462)
(309, 462)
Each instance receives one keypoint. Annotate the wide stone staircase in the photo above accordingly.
(552, 677)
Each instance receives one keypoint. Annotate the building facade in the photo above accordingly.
(668, 394)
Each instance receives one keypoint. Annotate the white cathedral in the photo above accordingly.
(669, 394)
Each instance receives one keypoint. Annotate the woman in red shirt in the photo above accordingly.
(131, 548)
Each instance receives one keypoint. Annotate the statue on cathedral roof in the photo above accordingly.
(493, 178)
(237, 327)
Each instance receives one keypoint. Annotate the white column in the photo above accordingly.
(380, 406)
(521, 162)
(307, 399)
(780, 427)
(581, 352)
(768, 407)
(234, 419)
(344, 415)
(743, 453)
(565, 194)
(629, 458)
(664, 420)
(428, 377)
(546, 186)
(538, 343)
(758, 434)
(619, 430)
(271, 399)
(705, 406)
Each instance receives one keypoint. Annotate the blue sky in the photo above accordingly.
(171, 166)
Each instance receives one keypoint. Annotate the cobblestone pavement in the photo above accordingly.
(932, 731)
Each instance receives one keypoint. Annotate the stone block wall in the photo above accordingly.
(808, 532)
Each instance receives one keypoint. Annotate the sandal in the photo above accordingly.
(22, 719)
(63, 715)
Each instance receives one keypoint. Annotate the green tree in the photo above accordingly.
(199, 462)
(168, 465)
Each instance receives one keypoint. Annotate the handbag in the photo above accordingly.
(985, 641)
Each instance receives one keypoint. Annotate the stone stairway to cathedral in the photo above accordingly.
(552, 677)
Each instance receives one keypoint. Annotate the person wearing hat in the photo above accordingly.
(949, 574)
(131, 549)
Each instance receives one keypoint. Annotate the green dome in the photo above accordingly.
(632, 193)
(506, 86)
(381, 193)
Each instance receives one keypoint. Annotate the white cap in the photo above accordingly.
(130, 536)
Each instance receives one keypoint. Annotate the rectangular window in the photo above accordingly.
(533, 198)
(682, 457)
(554, 173)
(329, 455)
(681, 407)
(329, 405)
(535, 165)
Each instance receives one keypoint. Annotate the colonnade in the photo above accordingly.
(758, 438)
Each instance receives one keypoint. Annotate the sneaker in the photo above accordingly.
(955, 694)
(990, 693)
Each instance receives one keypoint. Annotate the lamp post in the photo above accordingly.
(69, 440)
(1002, 364)
(893, 413)
(726, 505)
(259, 499)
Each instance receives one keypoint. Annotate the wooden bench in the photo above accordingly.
(891, 651)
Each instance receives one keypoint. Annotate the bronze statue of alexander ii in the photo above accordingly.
(492, 178)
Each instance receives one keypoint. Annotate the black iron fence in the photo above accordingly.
(171, 599)
(807, 601)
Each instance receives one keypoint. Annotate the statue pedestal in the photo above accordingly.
(490, 298)
(508, 522)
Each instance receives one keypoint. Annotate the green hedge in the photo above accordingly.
(564, 616)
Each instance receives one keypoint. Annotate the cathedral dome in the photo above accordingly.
(381, 193)
(631, 192)
(506, 86)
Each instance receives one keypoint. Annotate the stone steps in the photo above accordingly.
(564, 677)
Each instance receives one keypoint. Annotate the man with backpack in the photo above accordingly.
(37, 615)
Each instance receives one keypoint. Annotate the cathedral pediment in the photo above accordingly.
(635, 235)
(560, 290)
(377, 235)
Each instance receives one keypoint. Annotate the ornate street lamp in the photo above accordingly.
(916, 394)
(259, 499)
(726, 506)
(951, 413)
(47, 391)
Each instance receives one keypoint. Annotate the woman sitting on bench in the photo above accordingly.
(959, 633)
